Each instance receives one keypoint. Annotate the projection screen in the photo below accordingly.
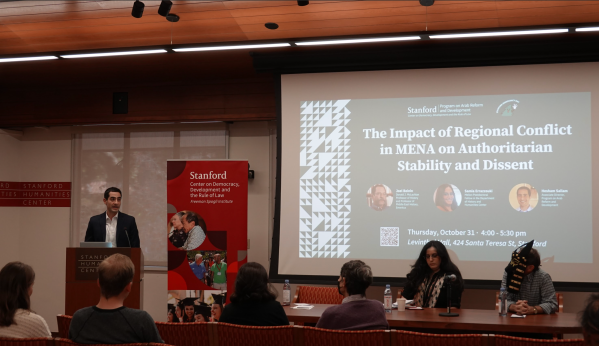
(375, 164)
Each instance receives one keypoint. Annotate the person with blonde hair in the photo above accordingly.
(110, 322)
(16, 318)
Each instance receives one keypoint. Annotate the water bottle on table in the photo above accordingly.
(502, 302)
(286, 293)
(388, 301)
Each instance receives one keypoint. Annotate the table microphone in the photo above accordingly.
(449, 278)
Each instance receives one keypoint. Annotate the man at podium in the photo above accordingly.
(113, 226)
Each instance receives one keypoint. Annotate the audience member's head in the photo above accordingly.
(355, 278)
(589, 320)
(252, 284)
(115, 276)
(16, 286)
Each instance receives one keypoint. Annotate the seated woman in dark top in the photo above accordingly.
(426, 282)
(254, 301)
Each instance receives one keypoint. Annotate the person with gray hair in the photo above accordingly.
(355, 312)
(198, 267)
(195, 228)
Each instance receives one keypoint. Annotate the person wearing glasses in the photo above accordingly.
(426, 283)
(445, 198)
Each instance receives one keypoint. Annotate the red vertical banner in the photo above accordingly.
(207, 235)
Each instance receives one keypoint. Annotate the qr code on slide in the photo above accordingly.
(389, 236)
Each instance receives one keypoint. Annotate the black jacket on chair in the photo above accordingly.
(96, 230)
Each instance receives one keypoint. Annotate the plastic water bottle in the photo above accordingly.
(388, 299)
(286, 293)
(502, 302)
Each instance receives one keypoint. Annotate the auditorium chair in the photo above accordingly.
(67, 342)
(317, 295)
(405, 338)
(504, 340)
(558, 296)
(64, 323)
(185, 334)
(27, 342)
(236, 335)
(316, 337)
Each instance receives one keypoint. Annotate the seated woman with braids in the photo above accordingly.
(426, 282)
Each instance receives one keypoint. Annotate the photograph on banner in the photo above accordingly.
(209, 267)
(195, 305)
(186, 230)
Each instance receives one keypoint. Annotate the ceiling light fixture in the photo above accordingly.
(501, 33)
(173, 18)
(359, 40)
(138, 9)
(249, 46)
(587, 29)
(33, 58)
(271, 26)
(427, 2)
(165, 7)
(302, 2)
(93, 55)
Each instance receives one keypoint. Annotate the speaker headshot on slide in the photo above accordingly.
(447, 197)
(523, 198)
(112, 225)
(379, 197)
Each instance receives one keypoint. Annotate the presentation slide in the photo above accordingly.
(480, 169)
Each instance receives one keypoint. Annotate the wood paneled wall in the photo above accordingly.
(213, 86)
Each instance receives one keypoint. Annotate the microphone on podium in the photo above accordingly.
(129, 240)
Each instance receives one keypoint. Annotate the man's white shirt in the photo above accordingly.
(111, 229)
(524, 211)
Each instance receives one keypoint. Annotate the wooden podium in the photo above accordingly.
(81, 277)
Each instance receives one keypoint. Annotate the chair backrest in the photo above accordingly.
(318, 295)
(67, 342)
(184, 334)
(27, 342)
(504, 340)
(64, 323)
(235, 335)
(558, 296)
(405, 338)
(317, 336)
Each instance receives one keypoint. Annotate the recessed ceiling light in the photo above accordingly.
(359, 40)
(93, 55)
(271, 26)
(247, 46)
(173, 18)
(427, 2)
(33, 58)
(303, 2)
(501, 33)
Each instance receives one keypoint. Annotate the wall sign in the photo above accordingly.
(35, 194)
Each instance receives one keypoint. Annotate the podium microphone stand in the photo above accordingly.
(449, 313)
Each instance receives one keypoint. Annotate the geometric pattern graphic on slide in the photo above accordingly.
(324, 179)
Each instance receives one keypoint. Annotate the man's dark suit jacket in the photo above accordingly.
(96, 230)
